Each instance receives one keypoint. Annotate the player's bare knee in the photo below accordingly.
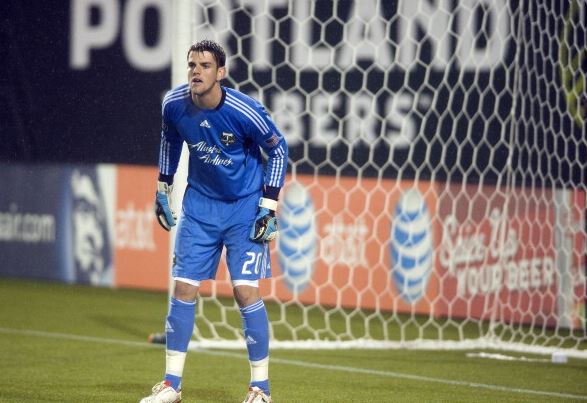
(245, 295)
(185, 292)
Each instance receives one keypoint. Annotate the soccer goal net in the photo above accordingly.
(436, 194)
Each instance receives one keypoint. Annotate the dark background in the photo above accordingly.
(53, 113)
(110, 112)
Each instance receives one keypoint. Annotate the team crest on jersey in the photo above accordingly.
(227, 138)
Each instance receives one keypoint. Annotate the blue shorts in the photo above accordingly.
(206, 226)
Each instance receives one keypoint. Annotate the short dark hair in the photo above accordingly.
(207, 45)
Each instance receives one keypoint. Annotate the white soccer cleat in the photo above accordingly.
(256, 395)
(162, 393)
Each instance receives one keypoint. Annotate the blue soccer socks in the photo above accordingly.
(179, 327)
(178, 330)
(180, 324)
(256, 329)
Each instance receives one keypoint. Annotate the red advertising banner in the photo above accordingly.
(141, 247)
(509, 255)
(492, 252)
(499, 254)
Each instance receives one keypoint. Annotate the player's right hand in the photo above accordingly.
(165, 215)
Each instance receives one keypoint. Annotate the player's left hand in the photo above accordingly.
(265, 228)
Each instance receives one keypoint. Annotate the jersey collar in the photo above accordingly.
(221, 99)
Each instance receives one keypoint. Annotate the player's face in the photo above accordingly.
(203, 72)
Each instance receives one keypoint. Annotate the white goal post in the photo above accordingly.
(436, 192)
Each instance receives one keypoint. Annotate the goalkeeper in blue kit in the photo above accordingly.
(230, 201)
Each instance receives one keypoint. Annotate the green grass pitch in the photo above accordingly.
(62, 343)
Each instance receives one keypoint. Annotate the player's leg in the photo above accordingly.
(256, 331)
(179, 326)
(197, 253)
(248, 262)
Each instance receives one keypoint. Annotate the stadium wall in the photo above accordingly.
(94, 224)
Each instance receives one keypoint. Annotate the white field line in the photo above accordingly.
(303, 364)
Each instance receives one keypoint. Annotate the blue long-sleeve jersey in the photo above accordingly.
(224, 143)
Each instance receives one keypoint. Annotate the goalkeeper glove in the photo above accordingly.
(165, 215)
(265, 226)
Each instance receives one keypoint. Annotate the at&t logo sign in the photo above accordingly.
(297, 242)
(411, 246)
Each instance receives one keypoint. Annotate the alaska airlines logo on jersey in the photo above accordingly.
(210, 154)
(227, 138)
(205, 148)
